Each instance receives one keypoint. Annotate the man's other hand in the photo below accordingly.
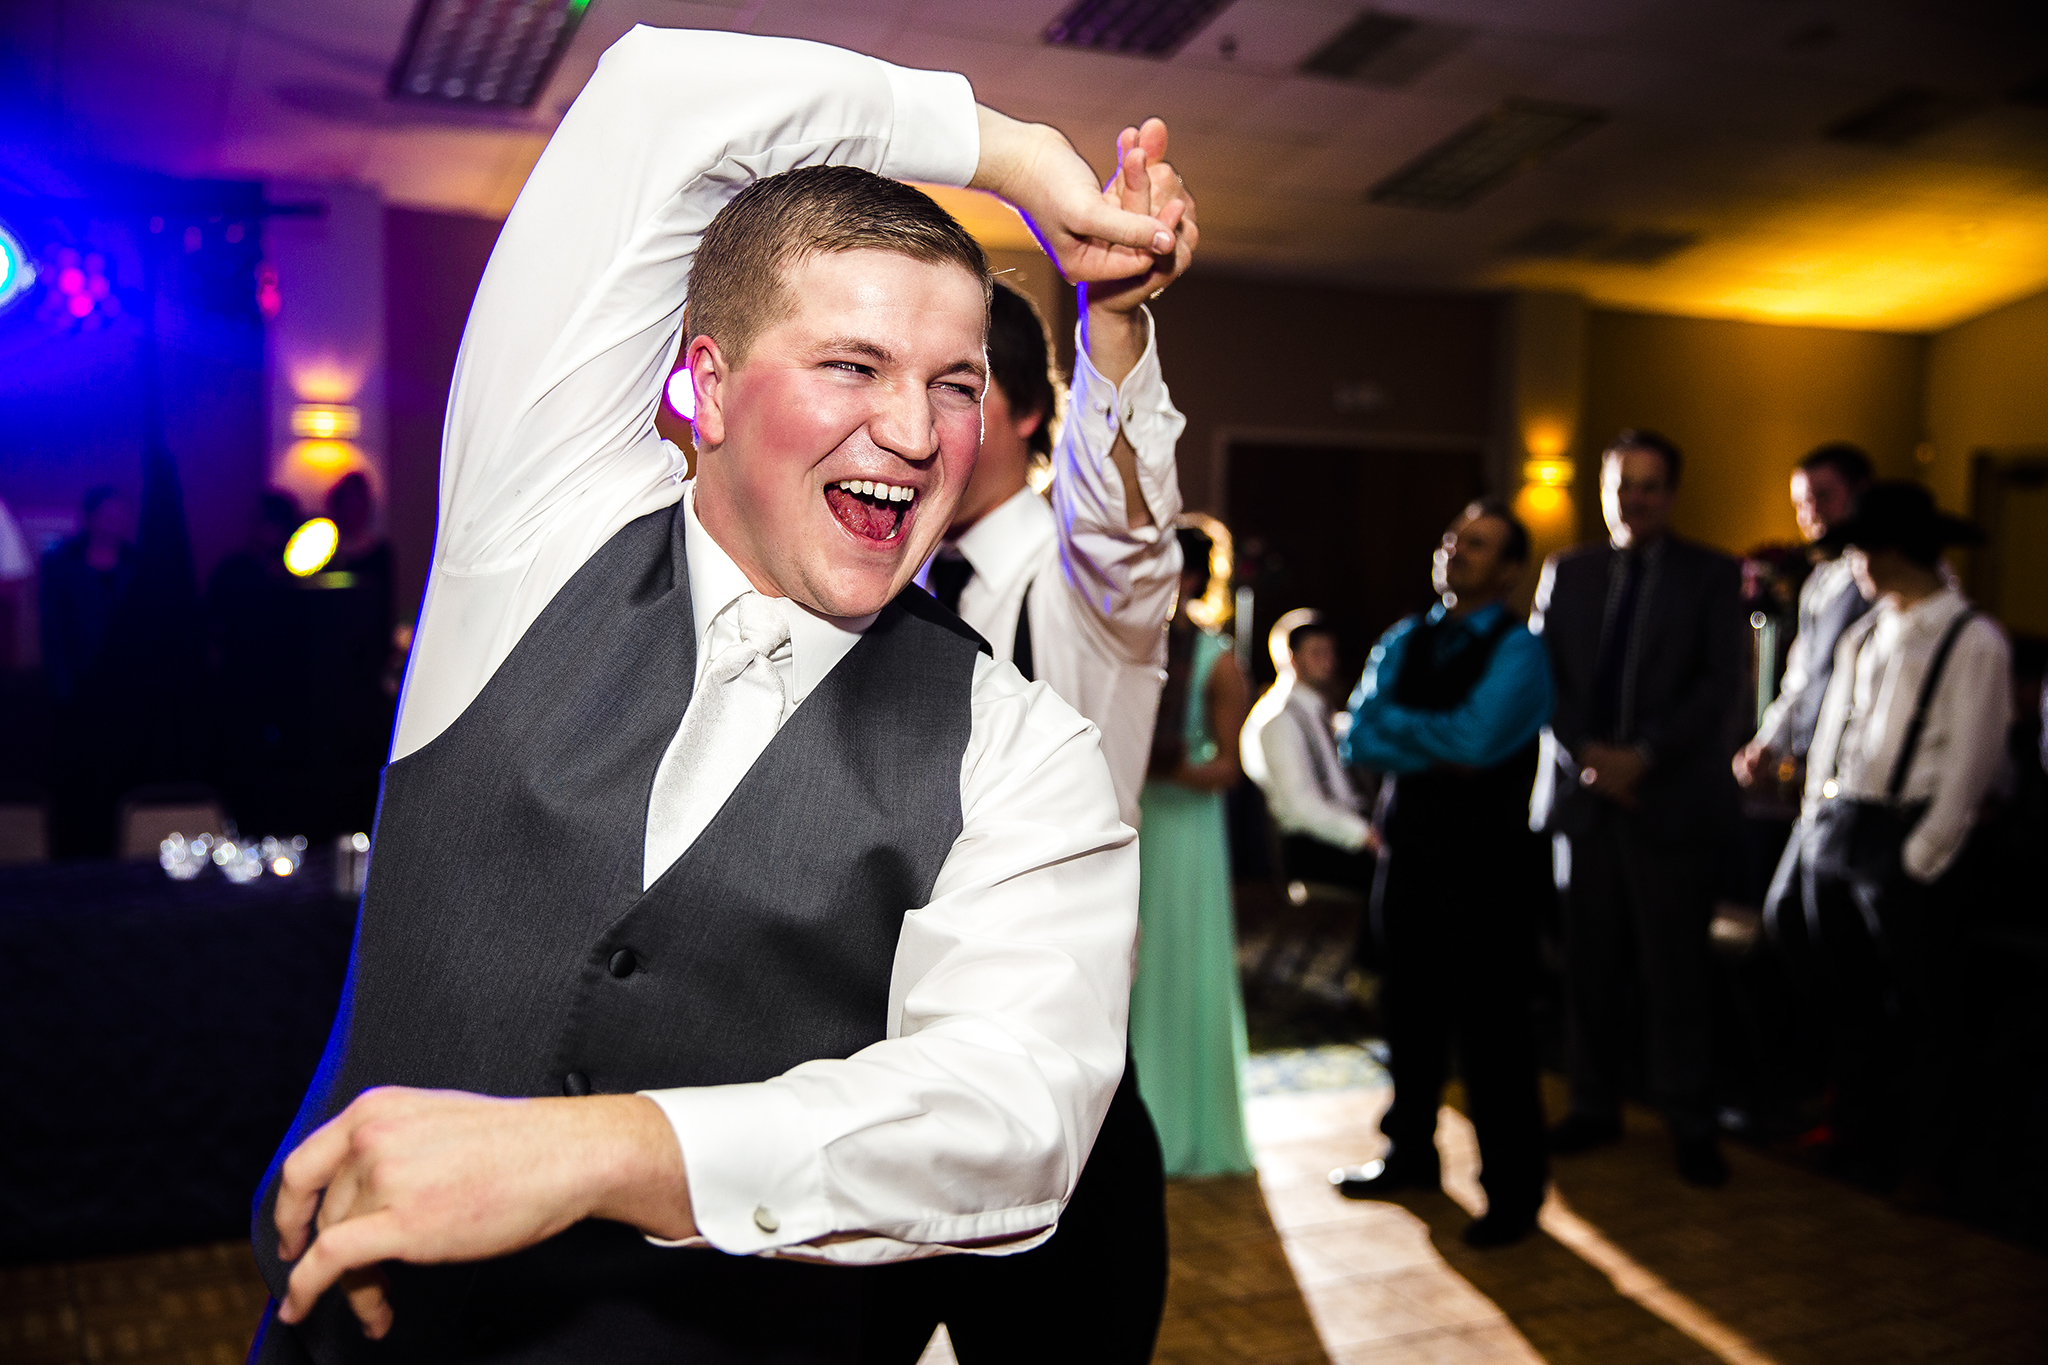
(1146, 183)
(1038, 171)
(438, 1175)
(1748, 759)
(1613, 772)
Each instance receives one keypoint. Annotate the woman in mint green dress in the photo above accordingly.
(1187, 1016)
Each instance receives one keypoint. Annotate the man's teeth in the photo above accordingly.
(884, 492)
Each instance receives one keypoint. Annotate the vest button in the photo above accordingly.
(575, 1083)
(623, 962)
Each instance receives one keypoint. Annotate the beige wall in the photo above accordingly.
(1744, 401)
(1265, 359)
(1987, 388)
(1986, 392)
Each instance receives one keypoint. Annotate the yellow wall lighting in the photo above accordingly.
(326, 421)
(1550, 473)
(311, 546)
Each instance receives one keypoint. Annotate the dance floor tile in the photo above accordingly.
(1629, 1267)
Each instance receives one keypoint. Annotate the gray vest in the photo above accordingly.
(1822, 624)
(505, 945)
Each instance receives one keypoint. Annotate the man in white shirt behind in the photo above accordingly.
(730, 909)
(1911, 742)
(1290, 751)
(1074, 592)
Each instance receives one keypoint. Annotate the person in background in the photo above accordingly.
(1825, 486)
(1075, 592)
(17, 566)
(86, 583)
(350, 652)
(1910, 742)
(1449, 708)
(1646, 643)
(1290, 751)
(85, 578)
(1187, 1015)
(256, 648)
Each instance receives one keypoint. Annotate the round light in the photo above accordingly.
(311, 546)
(16, 274)
(682, 395)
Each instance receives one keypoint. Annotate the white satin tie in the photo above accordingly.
(735, 710)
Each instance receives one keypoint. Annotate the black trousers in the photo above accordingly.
(1458, 929)
(1305, 858)
(1094, 1291)
(1889, 958)
(1636, 922)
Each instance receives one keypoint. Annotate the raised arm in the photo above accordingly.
(1116, 485)
(550, 444)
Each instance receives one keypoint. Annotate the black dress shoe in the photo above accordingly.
(1498, 1229)
(1582, 1133)
(1379, 1180)
(1700, 1162)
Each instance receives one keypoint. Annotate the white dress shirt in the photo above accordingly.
(1100, 590)
(1007, 1002)
(1828, 581)
(1880, 665)
(1288, 749)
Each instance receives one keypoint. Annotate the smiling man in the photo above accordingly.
(736, 923)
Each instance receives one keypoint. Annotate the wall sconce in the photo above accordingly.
(326, 421)
(1550, 473)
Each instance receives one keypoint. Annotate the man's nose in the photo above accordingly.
(902, 423)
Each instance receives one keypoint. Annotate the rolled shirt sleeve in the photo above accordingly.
(971, 1121)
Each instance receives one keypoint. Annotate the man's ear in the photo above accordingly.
(709, 374)
(1028, 426)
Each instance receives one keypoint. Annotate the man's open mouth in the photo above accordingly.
(871, 509)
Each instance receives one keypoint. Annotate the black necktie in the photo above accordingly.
(1609, 675)
(949, 575)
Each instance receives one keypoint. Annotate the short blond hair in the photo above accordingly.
(738, 285)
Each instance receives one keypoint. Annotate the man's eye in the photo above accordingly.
(848, 366)
(967, 391)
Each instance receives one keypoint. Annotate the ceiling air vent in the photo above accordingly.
(1385, 49)
(1137, 28)
(1899, 117)
(492, 54)
(1484, 153)
(1560, 239)
(1644, 246)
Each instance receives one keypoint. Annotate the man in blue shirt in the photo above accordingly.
(1449, 709)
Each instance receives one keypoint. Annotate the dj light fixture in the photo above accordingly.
(493, 54)
(17, 272)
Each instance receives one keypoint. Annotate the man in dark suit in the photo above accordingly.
(1646, 651)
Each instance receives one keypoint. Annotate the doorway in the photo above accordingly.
(1347, 529)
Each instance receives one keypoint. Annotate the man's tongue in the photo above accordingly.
(864, 516)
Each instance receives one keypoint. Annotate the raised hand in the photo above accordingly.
(1089, 235)
(1147, 183)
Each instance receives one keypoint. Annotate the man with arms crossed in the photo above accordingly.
(1075, 593)
(689, 797)
(1449, 708)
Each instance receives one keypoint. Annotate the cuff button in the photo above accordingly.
(765, 1219)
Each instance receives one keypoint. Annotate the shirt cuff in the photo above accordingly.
(935, 135)
(757, 1180)
(1143, 409)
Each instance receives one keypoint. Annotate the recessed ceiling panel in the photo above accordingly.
(483, 52)
(1138, 28)
(1484, 153)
